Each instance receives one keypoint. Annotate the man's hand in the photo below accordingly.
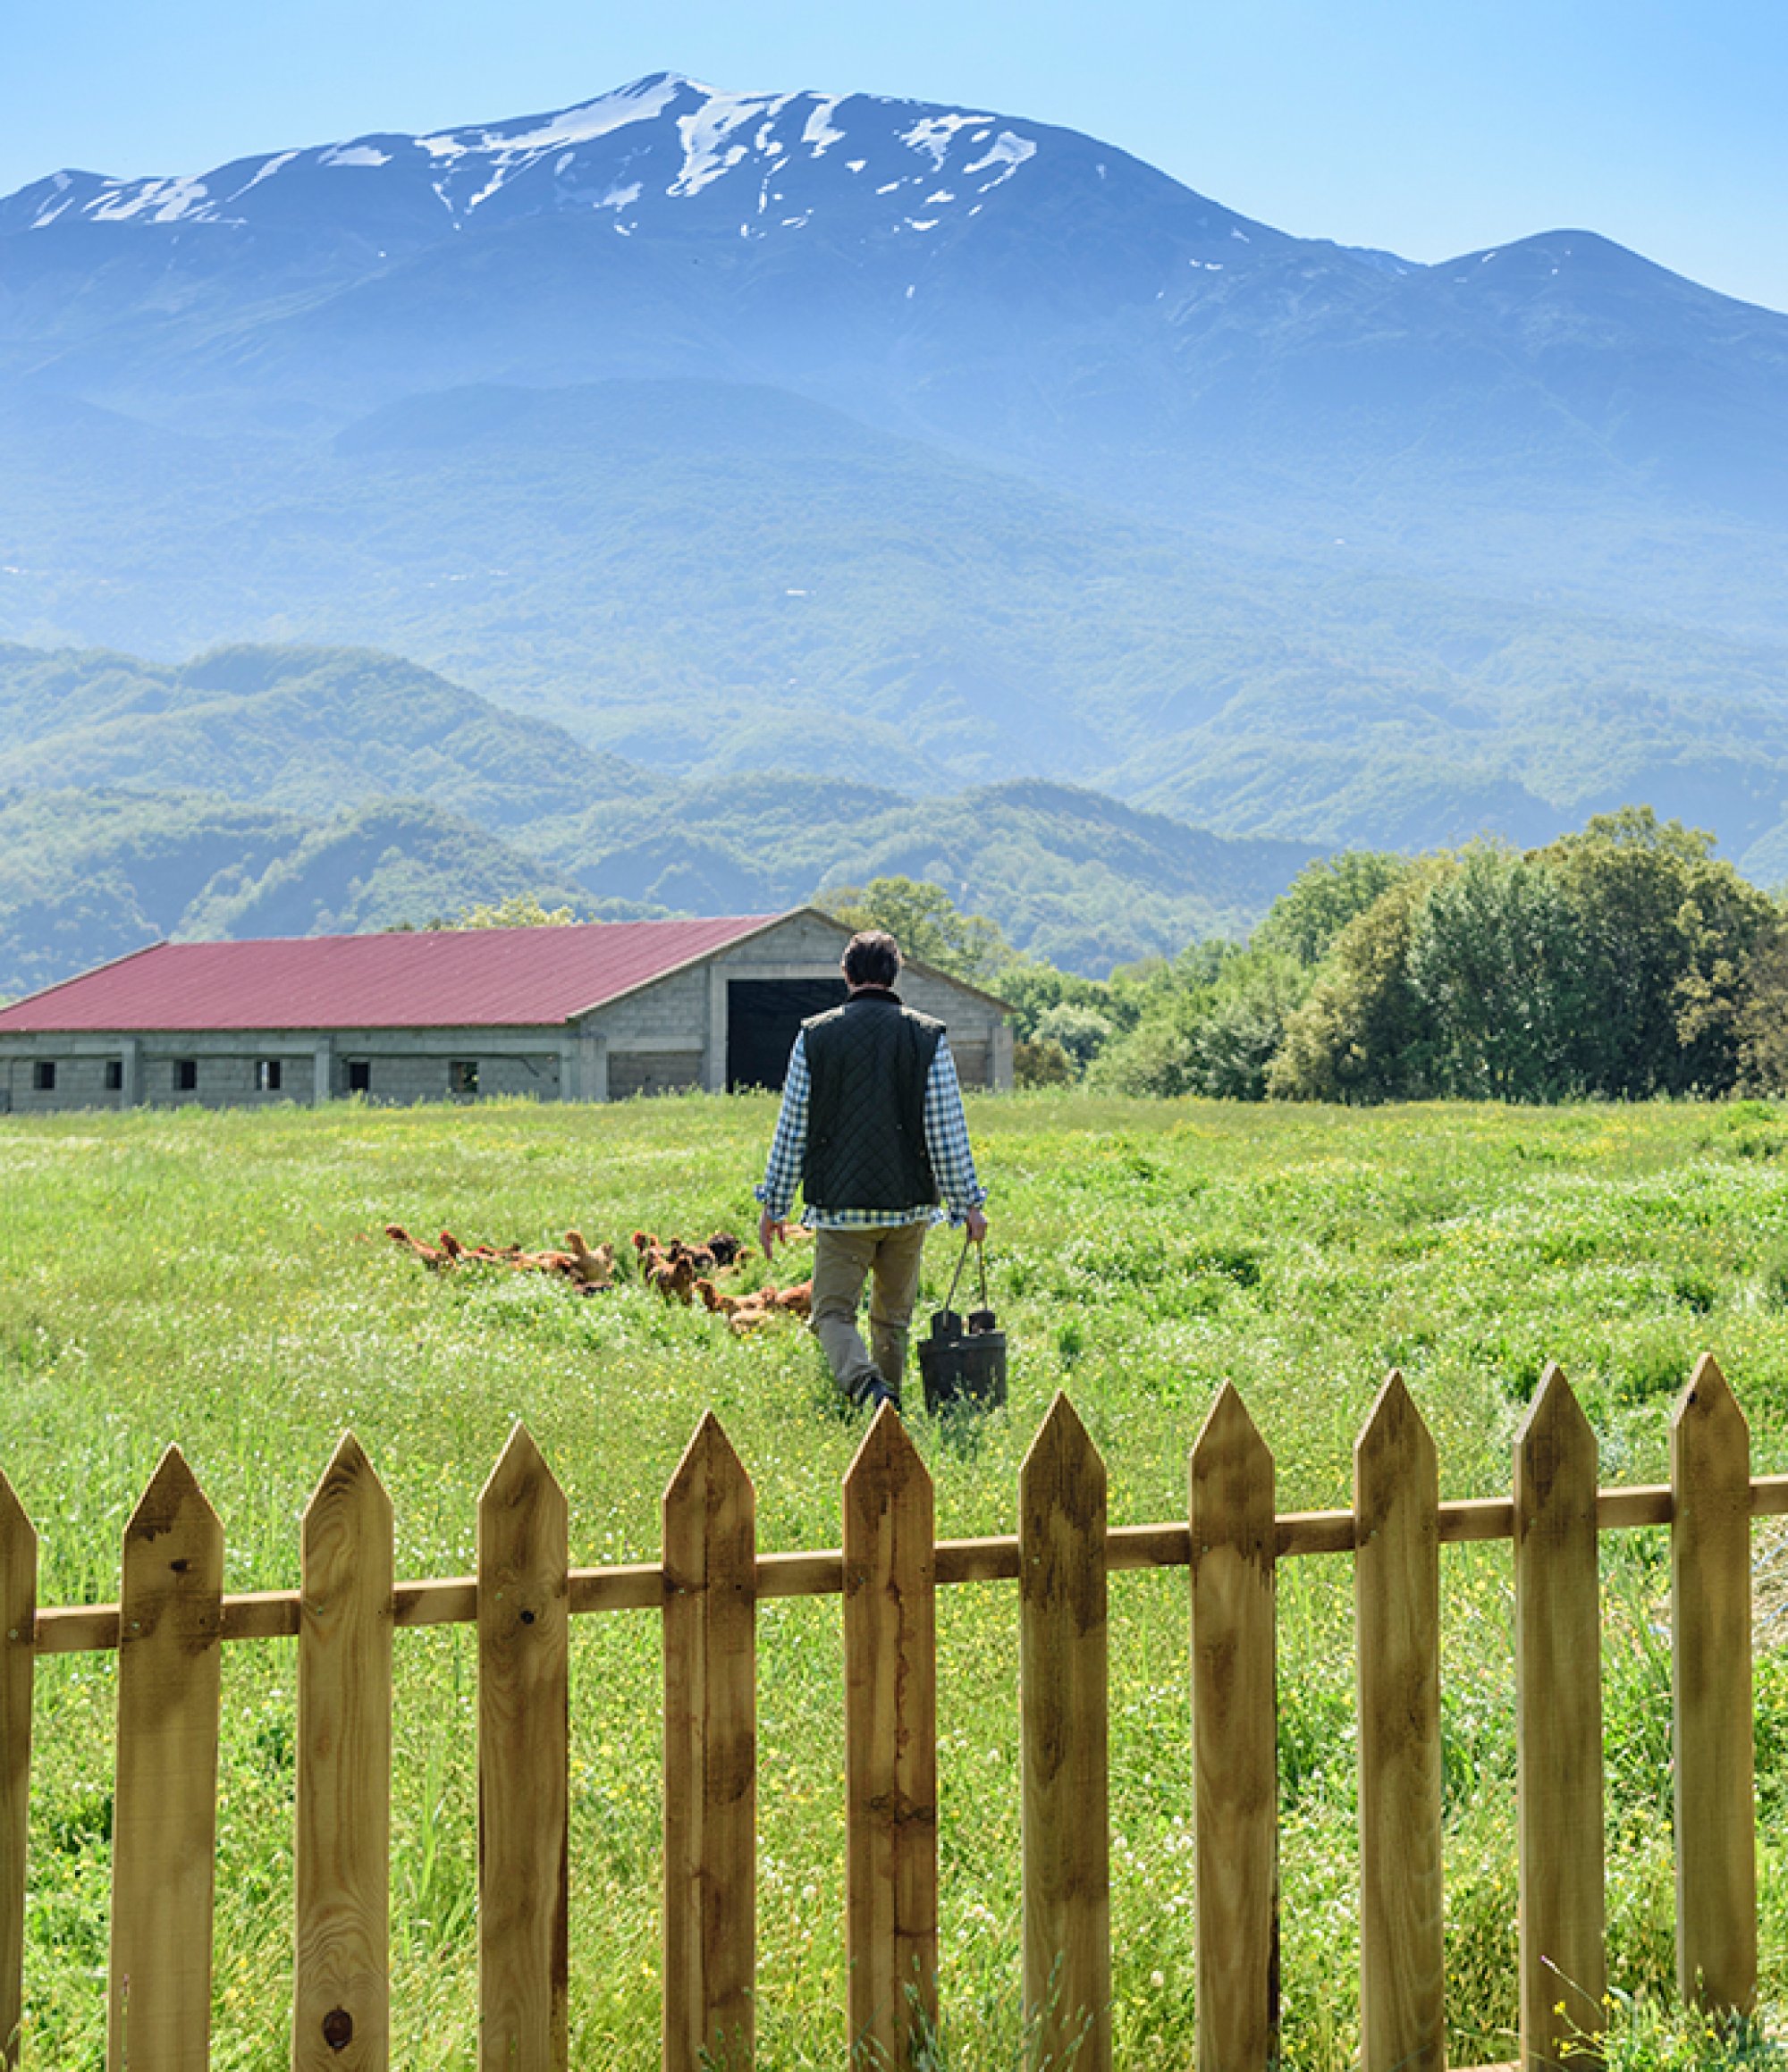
(770, 1229)
(975, 1224)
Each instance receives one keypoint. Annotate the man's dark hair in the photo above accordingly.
(871, 958)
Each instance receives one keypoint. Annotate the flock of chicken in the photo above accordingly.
(679, 1271)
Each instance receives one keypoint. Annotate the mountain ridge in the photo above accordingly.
(685, 421)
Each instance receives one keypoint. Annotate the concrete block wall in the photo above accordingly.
(647, 1071)
(81, 1083)
(673, 1011)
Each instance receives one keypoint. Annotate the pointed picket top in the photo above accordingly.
(1554, 1438)
(1229, 1468)
(172, 1499)
(350, 1482)
(887, 1454)
(709, 1515)
(1707, 1402)
(710, 1455)
(18, 1579)
(1061, 1448)
(1394, 1445)
(520, 1467)
(17, 1533)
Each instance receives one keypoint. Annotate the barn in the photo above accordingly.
(597, 1012)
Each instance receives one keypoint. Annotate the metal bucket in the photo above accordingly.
(962, 1363)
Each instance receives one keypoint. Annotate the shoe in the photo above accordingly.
(874, 1392)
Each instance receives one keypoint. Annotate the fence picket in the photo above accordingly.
(1559, 1730)
(523, 1764)
(164, 1805)
(891, 1746)
(18, 1659)
(1397, 1596)
(1235, 1736)
(710, 1758)
(341, 1985)
(1711, 1696)
(1062, 1689)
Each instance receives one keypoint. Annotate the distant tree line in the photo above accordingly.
(1624, 962)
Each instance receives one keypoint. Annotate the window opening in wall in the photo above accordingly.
(267, 1075)
(462, 1077)
(186, 1075)
(115, 1075)
(43, 1076)
(359, 1076)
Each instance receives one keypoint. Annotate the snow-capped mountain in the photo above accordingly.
(956, 273)
(1026, 293)
(643, 158)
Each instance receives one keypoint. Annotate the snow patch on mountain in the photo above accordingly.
(1009, 153)
(707, 153)
(819, 132)
(642, 102)
(160, 201)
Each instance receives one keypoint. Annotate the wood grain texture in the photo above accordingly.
(164, 1809)
(17, 1658)
(891, 1747)
(1397, 1598)
(1711, 1696)
(1234, 1735)
(523, 1718)
(1559, 1729)
(710, 1759)
(341, 1986)
(1062, 1689)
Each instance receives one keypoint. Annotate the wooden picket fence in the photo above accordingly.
(172, 1617)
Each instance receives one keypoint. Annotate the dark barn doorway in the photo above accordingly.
(764, 1016)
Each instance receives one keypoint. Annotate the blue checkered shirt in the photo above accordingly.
(946, 1141)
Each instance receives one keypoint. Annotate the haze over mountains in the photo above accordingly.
(910, 447)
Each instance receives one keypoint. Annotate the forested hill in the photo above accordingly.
(293, 791)
(699, 579)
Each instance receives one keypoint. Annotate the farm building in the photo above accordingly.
(591, 1013)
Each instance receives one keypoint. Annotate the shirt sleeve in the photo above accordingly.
(946, 1136)
(788, 1146)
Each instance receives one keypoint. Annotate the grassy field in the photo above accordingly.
(221, 1281)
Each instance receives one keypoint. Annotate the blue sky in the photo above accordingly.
(1431, 128)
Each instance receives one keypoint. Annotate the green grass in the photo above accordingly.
(222, 1281)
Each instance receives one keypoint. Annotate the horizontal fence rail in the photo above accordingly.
(173, 1618)
(641, 1586)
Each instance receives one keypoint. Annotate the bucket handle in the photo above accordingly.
(980, 1256)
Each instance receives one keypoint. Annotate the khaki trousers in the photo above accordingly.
(843, 1259)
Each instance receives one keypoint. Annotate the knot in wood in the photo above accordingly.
(338, 2029)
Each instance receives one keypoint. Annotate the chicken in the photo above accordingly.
(591, 1268)
(430, 1255)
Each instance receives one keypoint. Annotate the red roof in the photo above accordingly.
(481, 977)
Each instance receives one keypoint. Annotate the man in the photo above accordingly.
(871, 1127)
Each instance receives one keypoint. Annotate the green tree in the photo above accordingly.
(1762, 1024)
(1663, 937)
(1081, 1033)
(927, 924)
(519, 910)
(1492, 961)
(1304, 922)
(1364, 1033)
(1236, 1039)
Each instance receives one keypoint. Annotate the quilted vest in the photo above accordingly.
(868, 1062)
